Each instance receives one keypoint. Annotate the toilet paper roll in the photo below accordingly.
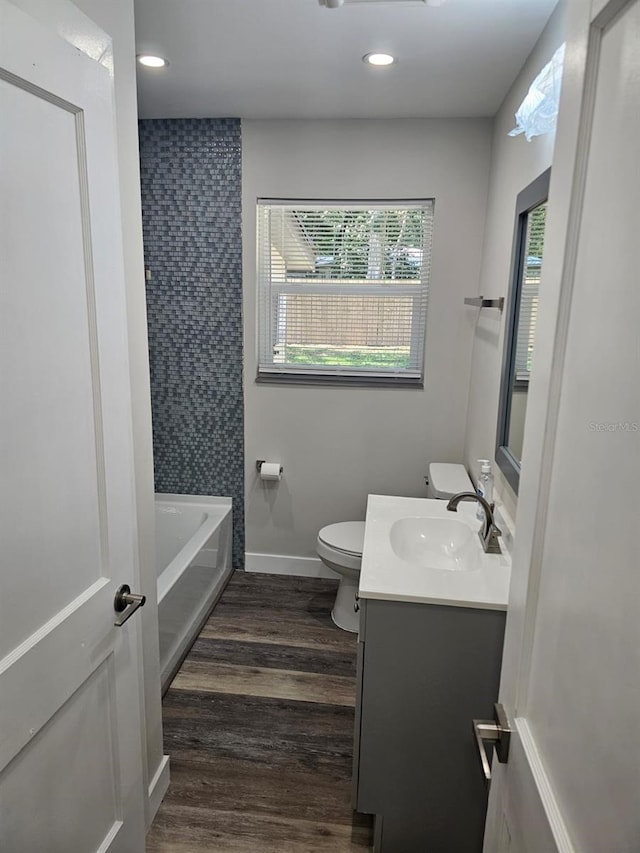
(271, 471)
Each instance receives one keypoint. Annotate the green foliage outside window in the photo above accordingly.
(364, 244)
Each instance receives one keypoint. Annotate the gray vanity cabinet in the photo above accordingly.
(424, 672)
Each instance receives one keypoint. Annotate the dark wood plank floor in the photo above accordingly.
(259, 726)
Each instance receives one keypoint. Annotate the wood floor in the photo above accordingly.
(259, 726)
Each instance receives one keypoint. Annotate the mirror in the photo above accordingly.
(519, 340)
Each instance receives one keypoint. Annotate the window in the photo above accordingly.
(343, 291)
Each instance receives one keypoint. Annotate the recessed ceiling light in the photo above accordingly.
(379, 59)
(150, 61)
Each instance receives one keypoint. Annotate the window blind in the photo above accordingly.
(343, 288)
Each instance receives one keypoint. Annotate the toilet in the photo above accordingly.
(339, 545)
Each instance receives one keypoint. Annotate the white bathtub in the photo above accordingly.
(193, 556)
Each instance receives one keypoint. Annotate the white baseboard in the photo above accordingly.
(285, 564)
(157, 789)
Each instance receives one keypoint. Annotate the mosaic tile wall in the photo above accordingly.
(191, 213)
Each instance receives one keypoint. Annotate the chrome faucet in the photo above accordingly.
(489, 532)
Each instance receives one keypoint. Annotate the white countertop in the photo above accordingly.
(388, 577)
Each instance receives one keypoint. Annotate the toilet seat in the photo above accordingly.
(342, 543)
(347, 536)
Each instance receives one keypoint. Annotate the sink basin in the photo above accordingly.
(416, 550)
(436, 543)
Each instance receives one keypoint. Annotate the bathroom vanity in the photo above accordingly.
(429, 654)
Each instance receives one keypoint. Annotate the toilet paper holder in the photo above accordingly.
(260, 463)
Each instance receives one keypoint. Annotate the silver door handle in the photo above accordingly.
(126, 603)
(497, 732)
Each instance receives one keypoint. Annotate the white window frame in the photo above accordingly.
(269, 308)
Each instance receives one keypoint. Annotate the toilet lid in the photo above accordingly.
(347, 536)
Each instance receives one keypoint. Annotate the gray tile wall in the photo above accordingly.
(191, 213)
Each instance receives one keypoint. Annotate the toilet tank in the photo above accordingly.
(446, 479)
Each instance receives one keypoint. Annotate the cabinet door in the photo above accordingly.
(427, 671)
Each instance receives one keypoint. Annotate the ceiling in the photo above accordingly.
(298, 59)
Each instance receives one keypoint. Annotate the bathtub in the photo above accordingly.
(193, 557)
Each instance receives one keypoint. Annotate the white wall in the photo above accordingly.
(514, 164)
(339, 444)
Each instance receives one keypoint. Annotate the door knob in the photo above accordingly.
(497, 732)
(126, 603)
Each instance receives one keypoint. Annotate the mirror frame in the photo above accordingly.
(531, 197)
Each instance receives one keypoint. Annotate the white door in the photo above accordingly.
(70, 724)
(571, 673)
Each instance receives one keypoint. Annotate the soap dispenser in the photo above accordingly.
(484, 486)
